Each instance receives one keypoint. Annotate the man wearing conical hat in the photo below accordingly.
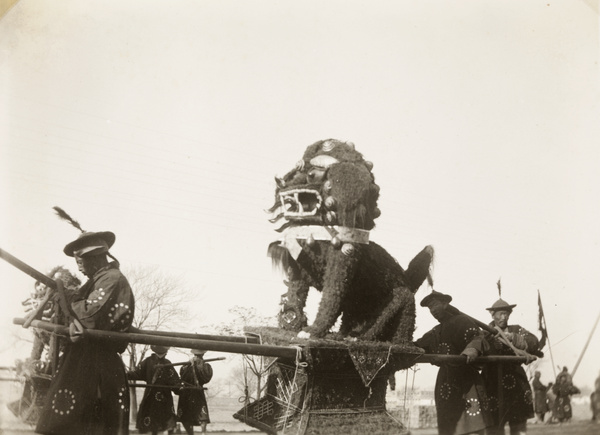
(459, 393)
(89, 393)
(511, 398)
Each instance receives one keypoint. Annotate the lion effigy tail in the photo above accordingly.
(419, 268)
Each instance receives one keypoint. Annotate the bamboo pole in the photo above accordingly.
(173, 387)
(221, 358)
(228, 338)
(462, 359)
(586, 346)
(23, 267)
(189, 343)
(547, 336)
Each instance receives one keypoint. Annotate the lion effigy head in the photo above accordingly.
(331, 185)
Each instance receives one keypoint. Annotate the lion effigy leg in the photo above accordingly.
(399, 314)
(291, 317)
(336, 283)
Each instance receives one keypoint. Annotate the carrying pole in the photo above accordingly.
(189, 343)
(24, 267)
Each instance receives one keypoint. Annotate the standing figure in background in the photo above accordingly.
(564, 374)
(564, 389)
(595, 401)
(516, 406)
(89, 392)
(540, 405)
(156, 412)
(192, 409)
(459, 393)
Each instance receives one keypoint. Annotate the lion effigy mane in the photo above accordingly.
(329, 204)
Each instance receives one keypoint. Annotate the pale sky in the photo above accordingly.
(165, 122)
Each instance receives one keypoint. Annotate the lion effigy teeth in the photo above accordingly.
(330, 217)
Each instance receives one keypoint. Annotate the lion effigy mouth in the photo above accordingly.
(300, 203)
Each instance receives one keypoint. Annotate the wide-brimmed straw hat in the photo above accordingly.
(90, 243)
(501, 305)
(159, 349)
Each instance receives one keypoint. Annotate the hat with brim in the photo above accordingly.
(501, 305)
(159, 349)
(435, 296)
(90, 243)
(198, 351)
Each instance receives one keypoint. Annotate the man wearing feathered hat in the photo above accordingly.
(516, 406)
(89, 393)
(192, 409)
(156, 412)
(456, 385)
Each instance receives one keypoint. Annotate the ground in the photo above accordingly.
(222, 409)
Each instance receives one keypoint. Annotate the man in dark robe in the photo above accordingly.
(89, 392)
(564, 389)
(510, 394)
(540, 405)
(192, 408)
(595, 401)
(460, 398)
(156, 412)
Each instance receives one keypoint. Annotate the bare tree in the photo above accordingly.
(161, 303)
(247, 316)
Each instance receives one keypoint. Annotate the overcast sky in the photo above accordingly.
(165, 122)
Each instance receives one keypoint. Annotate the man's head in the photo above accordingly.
(437, 303)
(501, 311)
(90, 264)
(89, 250)
(537, 374)
(198, 352)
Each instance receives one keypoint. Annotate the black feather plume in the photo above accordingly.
(499, 284)
(64, 215)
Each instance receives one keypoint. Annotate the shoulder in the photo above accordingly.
(111, 276)
(463, 320)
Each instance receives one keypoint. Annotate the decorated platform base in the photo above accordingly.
(339, 388)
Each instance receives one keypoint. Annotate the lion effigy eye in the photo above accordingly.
(316, 174)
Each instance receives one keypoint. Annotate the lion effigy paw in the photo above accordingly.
(304, 335)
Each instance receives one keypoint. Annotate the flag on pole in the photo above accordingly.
(542, 322)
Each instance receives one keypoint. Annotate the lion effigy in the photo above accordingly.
(329, 204)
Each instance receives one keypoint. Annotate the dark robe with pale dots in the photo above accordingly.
(192, 407)
(89, 393)
(514, 388)
(460, 398)
(156, 412)
(563, 411)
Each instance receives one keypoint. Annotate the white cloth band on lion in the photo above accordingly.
(318, 232)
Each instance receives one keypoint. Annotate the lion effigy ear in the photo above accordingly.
(419, 267)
